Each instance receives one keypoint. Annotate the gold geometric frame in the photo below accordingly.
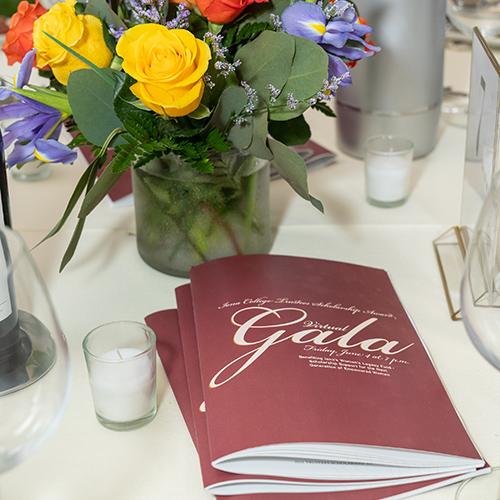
(450, 249)
(481, 159)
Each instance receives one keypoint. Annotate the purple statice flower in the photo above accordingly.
(276, 22)
(181, 19)
(332, 27)
(38, 126)
(148, 11)
(274, 93)
(291, 102)
(117, 31)
(222, 65)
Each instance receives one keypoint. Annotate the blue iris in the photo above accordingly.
(38, 126)
(311, 21)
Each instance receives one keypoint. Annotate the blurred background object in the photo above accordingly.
(8, 7)
(464, 15)
(400, 90)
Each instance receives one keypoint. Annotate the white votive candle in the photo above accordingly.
(122, 385)
(123, 378)
(388, 170)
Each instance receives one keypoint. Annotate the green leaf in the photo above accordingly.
(200, 112)
(267, 61)
(292, 168)
(241, 135)
(322, 107)
(307, 75)
(291, 132)
(101, 9)
(91, 100)
(258, 146)
(142, 124)
(140, 105)
(82, 183)
(215, 28)
(99, 190)
(216, 141)
(79, 140)
(8, 7)
(51, 98)
(250, 31)
(283, 113)
(309, 70)
(262, 12)
(70, 251)
(124, 158)
(101, 72)
(231, 103)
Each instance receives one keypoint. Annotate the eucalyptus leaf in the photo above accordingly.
(292, 168)
(102, 10)
(307, 76)
(232, 101)
(266, 61)
(91, 100)
(284, 113)
(291, 132)
(241, 135)
(309, 69)
(258, 146)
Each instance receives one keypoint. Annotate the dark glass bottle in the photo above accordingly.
(15, 346)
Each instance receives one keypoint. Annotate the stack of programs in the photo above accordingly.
(303, 378)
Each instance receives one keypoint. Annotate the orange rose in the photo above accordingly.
(19, 39)
(224, 11)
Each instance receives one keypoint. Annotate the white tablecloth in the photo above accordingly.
(107, 281)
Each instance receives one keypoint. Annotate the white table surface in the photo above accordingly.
(107, 281)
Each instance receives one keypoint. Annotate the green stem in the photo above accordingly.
(193, 243)
(54, 128)
(250, 205)
(225, 227)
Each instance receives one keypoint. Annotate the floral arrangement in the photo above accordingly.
(196, 79)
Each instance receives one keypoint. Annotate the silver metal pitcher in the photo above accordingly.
(399, 91)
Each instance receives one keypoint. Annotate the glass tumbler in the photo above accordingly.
(121, 362)
(388, 161)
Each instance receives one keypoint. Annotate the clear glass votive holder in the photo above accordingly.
(388, 161)
(121, 362)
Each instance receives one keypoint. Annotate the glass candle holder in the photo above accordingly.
(388, 163)
(121, 361)
(31, 171)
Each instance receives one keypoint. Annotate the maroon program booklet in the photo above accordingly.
(171, 351)
(312, 370)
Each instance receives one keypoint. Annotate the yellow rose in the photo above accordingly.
(83, 33)
(168, 66)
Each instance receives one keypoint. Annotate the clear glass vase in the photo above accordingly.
(34, 360)
(185, 218)
(31, 171)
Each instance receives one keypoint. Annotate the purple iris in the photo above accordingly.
(38, 126)
(336, 28)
